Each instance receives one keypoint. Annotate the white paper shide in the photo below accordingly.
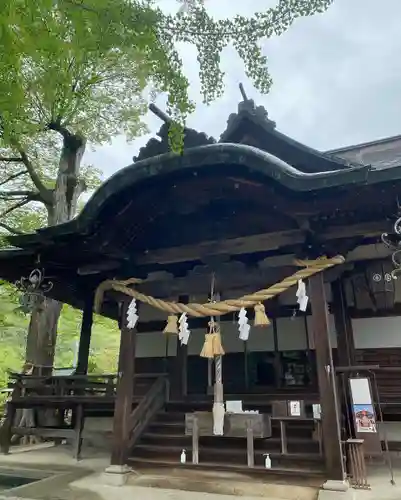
(243, 324)
(183, 330)
(302, 298)
(132, 314)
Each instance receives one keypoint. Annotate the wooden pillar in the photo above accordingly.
(345, 353)
(125, 391)
(278, 361)
(326, 380)
(179, 383)
(309, 354)
(343, 323)
(85, 337)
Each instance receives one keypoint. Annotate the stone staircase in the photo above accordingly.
(164, 439)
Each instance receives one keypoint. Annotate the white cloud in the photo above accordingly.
(336, 79)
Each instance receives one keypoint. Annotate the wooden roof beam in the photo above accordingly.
(257, 243)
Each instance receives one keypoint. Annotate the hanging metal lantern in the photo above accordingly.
(31, 287)
(393, 242)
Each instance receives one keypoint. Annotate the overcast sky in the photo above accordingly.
(337, 79)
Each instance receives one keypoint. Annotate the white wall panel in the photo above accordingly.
(153, 345)
(149, 313)
(196, 340)
(373, 333)
(261, 339)
(291, 333)
(230, 337)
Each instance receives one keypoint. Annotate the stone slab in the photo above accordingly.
(337, 495)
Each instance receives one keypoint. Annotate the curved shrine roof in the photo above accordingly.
(213, 192)
(258, 165)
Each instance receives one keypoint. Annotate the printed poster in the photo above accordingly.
(364, 416)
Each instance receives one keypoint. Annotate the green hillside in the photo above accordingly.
(13, 330)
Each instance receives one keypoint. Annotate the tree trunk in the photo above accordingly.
(68, 185)
(42, 331)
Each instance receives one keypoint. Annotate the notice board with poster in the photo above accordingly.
(364, 416)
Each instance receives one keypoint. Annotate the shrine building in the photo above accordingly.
(203, 233)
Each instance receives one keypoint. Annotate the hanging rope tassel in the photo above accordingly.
(212, 346)
(172, 325)
(261, 318)
(207, 349)
(217, 347)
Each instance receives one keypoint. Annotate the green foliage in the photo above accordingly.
(104, 343)
(13, 331)
(84, 64)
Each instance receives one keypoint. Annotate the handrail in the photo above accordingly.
(23, 376)
(108, 376)
(147, 408)
(71, 385)
(68, 386)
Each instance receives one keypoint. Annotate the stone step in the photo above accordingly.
(269, 444)
(300, 473)
(225, 455)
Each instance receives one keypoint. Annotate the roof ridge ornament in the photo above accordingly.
(155, 147)
(248, 106)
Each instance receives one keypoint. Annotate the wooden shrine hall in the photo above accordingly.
(223, 233)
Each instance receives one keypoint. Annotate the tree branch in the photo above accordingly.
(63, 131)
(10, 194)
(14, 176)
(20, 204)
(11, 159)
(43, 192)
(10, 229)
